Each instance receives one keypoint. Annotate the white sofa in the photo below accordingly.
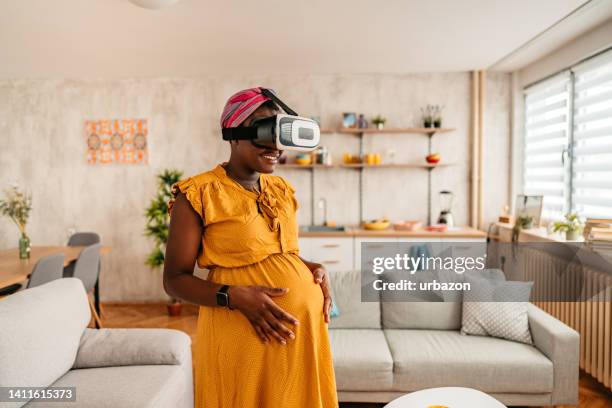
(383, 350)
(44, 341)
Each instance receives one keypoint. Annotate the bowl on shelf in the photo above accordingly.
(377, 225)
(437, 227)
(433, 158)
(408, 225)
(303, 159)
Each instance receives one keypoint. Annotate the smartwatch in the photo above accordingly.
(223, 296)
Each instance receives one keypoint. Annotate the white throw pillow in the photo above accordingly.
(497, 308)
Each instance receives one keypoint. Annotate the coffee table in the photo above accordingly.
(451, 397)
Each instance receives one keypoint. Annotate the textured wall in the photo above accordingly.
(43, 147)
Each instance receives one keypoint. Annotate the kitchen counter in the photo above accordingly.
(457, 232)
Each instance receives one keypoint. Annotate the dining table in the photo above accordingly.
(16, 270)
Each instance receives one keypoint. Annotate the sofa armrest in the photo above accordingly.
(561, 344)
(123, 347)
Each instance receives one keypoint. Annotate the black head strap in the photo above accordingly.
(270, 94)
(239, 133)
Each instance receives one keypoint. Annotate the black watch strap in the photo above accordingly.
(223, 296)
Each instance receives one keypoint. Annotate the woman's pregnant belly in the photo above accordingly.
(279, 271)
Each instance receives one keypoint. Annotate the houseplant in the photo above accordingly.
(571, 225)
(523, 221)
(432, 116)
(379, 121)
(157, 223)
(17, 206)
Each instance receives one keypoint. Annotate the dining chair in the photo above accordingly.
(47, 269)
(86, 268)
(85, 239)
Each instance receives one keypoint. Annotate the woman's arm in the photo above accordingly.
(254, 302)
(184, 238)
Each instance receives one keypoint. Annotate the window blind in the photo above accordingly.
(547, 121)
(592, 147)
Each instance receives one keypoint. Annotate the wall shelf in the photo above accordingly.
(304, 166)
(394, 165)
(427, 131)
(364, 166)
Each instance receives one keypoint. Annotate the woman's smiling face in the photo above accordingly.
(260, 159)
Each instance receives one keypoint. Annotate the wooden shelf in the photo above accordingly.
(428, 131)
(364, 166)
(304, 166)
(395, 165)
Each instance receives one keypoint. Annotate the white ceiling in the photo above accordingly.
(114, 38)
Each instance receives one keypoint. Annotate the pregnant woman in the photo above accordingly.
(262, 339)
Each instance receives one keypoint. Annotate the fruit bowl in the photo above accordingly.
(377, 225)
(433, 158)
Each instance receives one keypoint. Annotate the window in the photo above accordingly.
(567, 153)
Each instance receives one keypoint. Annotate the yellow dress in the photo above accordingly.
(251, 239)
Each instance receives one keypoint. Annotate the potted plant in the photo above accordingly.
(17, 206)
(379, 122)
(157, 224)
(523, 221)
(571, 225)
(432, 116)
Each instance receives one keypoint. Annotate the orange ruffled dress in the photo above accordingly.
(251, 239)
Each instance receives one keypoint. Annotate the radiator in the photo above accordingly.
(592, 318)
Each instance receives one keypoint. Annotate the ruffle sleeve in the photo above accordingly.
(289, 191)
(193, 194)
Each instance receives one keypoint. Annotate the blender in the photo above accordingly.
(446, 204)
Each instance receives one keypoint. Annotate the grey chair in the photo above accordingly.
(86, 268)
(85, 239)
(47, 269)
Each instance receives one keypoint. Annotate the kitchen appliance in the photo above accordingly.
(446, 205)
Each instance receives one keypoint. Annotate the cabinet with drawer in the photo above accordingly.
(335, 253)
(376, 246)
(344, 253)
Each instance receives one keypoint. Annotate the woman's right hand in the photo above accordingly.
(267, 318)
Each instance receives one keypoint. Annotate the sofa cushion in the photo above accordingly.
(430, 309)
(134, 386)
(362, 361)
(432, 358)
(41, 329)
(422, 315)
(121, 347)
(352, 312)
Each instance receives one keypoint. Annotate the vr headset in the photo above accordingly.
(287, 131)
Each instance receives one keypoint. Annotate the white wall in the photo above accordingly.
(43, 146)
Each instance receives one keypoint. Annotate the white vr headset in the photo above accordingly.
(282, 131)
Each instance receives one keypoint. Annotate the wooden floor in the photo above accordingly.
(592, 394)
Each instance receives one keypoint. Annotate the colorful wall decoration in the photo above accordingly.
(117, 141)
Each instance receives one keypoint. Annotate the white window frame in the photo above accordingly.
(570, 152)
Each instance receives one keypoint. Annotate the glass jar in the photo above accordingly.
(24, 246)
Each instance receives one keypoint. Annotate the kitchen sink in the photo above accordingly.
(322, 228)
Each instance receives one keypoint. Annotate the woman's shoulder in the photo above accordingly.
(193, 187)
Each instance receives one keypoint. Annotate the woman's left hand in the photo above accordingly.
(321, 276)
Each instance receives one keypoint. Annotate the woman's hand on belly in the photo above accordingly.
(266, 317)
(321, 276)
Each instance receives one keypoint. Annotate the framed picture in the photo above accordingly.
(530, 205)
(349, 120)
